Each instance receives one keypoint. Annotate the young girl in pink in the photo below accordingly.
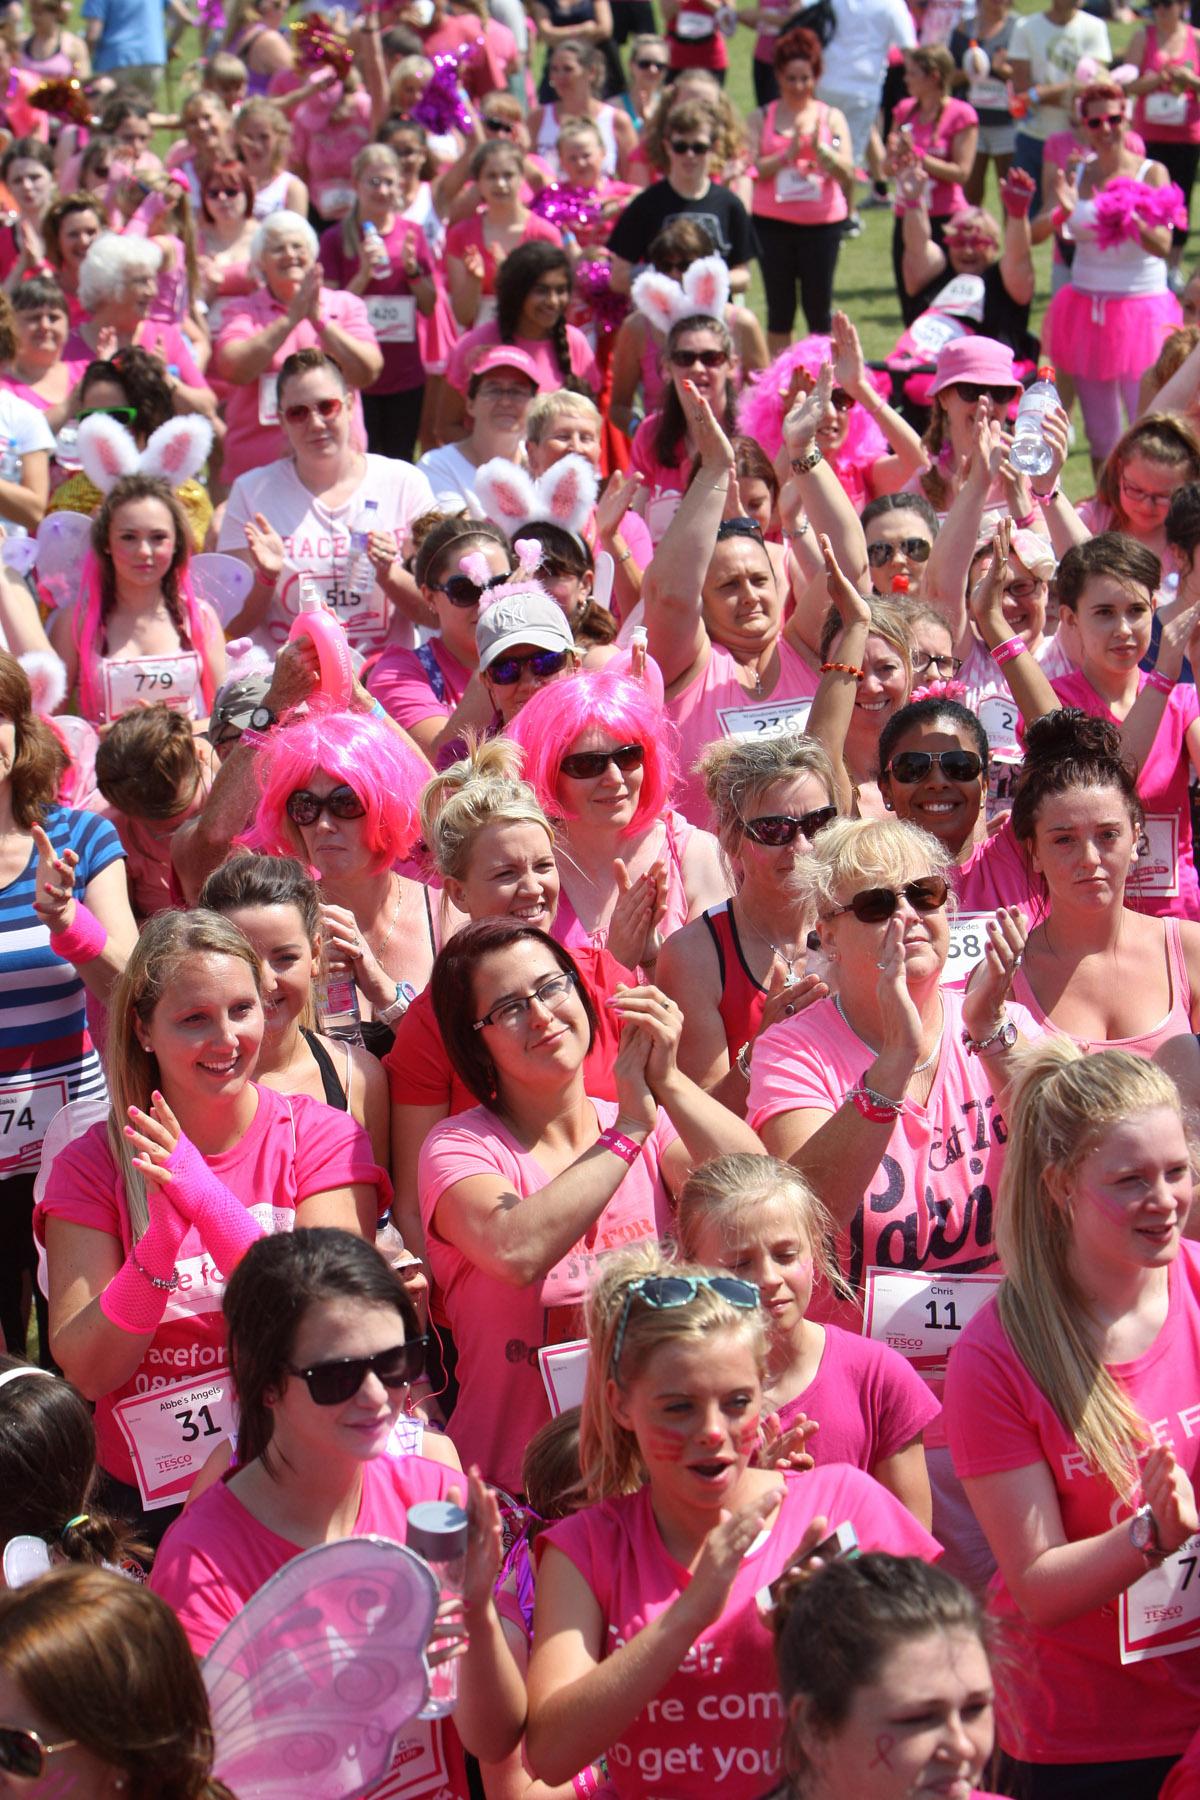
(1071, 1404)
(758, 1218)
(657, 1579)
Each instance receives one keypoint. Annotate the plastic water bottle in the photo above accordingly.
(976, 63)
(337, 1005)
(436, 1530)
(66, 448)
(362, 574)
(1030, 452)
(376, 249)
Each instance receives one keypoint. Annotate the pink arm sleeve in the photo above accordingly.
(217, 1213)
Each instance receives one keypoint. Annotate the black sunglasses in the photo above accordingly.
(506, 670)
(305, 807)
(912, 766)
(331, 1383)
(740, 527)
(225, 193)
(23, 1753)
(777, 829)
(682, 147)
(585, 765)
(643, 62)
(916, 549)
(971, 391)
(708, 359)
(460, 590)
(841, 399)
(501, 126)
(874, 905)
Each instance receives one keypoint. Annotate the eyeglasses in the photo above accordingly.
(506, 670)
(225, 193)
(460, 590)
(341, 802)
(332, 1383)
(1105, 119)
(23, 1753)
(500, 126)
(660, 68)
(553, 994)
(774, 830)
(682, 148)
(874, 905)
(126, 414)
(740, 527)
(1022, 590)
(327, 409)
(666, 1291)
(585, 765)
(708, 359)
(841, 399)
(971, 391)
(965, 239)
(492, 390)
(916, 549)
(945, 666)
(912, 766)
(1140, 495)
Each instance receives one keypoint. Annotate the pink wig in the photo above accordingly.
(549, 723)
(88, 632)
(351, 747)
(761, 407)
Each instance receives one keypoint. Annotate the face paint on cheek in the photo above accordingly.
(664, 1445)
(883, 1745)
(746, 1437)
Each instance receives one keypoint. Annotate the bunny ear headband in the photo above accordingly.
(564, 495)
(175, 452)
(703, 290)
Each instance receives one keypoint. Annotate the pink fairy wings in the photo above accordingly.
(564, 495)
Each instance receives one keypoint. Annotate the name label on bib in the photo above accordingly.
(564, 1371)
(1156, 870)
(172, 1432)
(923, 1315)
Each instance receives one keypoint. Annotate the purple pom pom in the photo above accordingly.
(593, 284)
(443, 107)
(570, 208)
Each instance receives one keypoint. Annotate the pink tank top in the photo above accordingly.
(717, 704)
(801, 193)
(1178, 1022)
(1163, 116)
(567, 929)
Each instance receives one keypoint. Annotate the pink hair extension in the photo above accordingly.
(761, 408)
(355, 748)
(87, 641)
(549, 724)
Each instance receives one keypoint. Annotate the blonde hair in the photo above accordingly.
(851, 851)
(726, 1193)
(367, 156)
(608, 1452)
(165, 941)
(485, 788)
(1063, 1101)
(738, 771)
(550, 406)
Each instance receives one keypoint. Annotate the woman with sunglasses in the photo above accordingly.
(226, 228)
(100, 1693)
(521, 1195)
(1106, 324)
(647, 68)
(649, 1645)
(294, 519)
(597, 752)
(974, 383)
(699, 353)
(323, 1349)
(146, 1214)
(740, 966)
(900, 530)
(889, 1098)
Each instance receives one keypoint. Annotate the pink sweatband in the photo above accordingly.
(82, 940)
(1027, 521)
(619, 1144)
(586, 1783)
(136, 1297)
(217, 1213)
(1162, 684)
(1005, 652)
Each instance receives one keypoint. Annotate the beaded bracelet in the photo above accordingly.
(1162, 684)
(1010, 648)
(836, 668)
(156, 1281)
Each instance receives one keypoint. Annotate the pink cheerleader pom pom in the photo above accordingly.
(593, 284)
(940, 690)
(444, 106)
(570, 208)
(1162, 205)
(1117, 208)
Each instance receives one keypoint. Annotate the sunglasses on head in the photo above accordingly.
(660, 68)
(126, 414)
(460, 590)
(665, 1291)
(708, 359)
(326, 409)
(332, 1383)
(740, 527)
(911, 766)
(305, 807)
(1103, 120)
(506, 670)
(916, 549)
(682, 147)
(585, 765)
(23, 1753)
(971, 391)
(874, 905)
(774, 830)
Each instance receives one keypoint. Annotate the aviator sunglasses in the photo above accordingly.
(911, 766)
(874, 905)
(679, 1290)
(916, 549)
(331, 1383)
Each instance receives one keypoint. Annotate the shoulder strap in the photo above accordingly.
(715, 935)
(429, 663)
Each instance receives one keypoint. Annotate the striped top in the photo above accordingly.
(46, 1053)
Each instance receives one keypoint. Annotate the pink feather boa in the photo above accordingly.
(1124, 204)
(761, 411)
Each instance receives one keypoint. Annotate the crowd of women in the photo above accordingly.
(599, 915)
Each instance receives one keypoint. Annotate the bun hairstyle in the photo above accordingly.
(1064, 750)
(483, 788)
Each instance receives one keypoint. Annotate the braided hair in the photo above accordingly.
(518, 275)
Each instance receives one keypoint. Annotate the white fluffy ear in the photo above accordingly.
(658, 299)
(706, 284)
(505, 492)
(107, 451)
(178, 450)
(47, 677)
(566, 493)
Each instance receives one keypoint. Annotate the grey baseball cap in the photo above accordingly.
(235, 700)
(528, 617)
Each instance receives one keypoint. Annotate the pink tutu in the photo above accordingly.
(1107, 337)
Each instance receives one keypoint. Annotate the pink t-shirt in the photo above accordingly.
(868, 1401)
(498, 1327)
(254, 435)
(468, 233)
(1164, 878)
(390, 303)
(716, 704)
(997, 874)
(673, 842)
(326, 149)
(217, 1555)
(715, 1725)
(163, 340)
(664, 484)
(1067, 1696)
(401, 683)
(937, 139)
(295, 1147)
(465, 354)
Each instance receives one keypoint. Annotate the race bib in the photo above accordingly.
(360, 615)
(923, 1315)
(393, 317)
(988, 96)
(1156, 870)
(173, 679)
(964, 297)
(268, 399)
(694, 25)
(171, 1433)
(564, 1371)
(968, 941)
(1160, 1613)
(932, 331)
(335, 200)
(1165, 108)
(26, 1109)
(769, 719)
(999, 715)
(792, 185)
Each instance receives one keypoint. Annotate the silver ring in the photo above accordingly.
(1018, 959)
(788, 1011)
(881, 965)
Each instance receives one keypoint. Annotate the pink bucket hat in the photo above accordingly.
(978, 359)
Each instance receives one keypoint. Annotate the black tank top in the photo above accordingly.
(334, 1092)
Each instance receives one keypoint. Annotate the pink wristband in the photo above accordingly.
(82, 940)
(1027, 521)
(1162, 684)
(619, 1144)
(1011, 647)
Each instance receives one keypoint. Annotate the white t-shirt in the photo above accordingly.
(316, 541)
(448, 471)
(856, 55)
(1052, 52)
(22, 428)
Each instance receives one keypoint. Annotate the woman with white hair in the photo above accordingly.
(118, 280)
(291, 311)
